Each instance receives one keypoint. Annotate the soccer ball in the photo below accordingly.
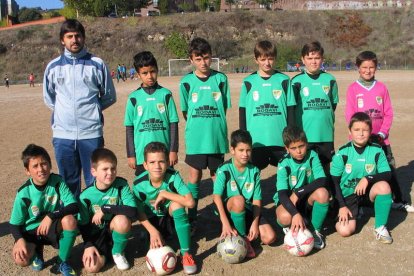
(299, 243)
(161, 260)
(232, 249)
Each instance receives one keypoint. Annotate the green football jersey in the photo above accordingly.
(292, 175)
(150, 115)
(352, 166)
(205, 102)
(314, 98)
(265, 101)
(147, 194)
(91, 200)
(230, 182)
(33, 203)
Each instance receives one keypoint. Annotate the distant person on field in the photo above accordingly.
(150, 115)
(77, 86)
(6, 81)
(263, 107)
(31, 80)
(371, 96)
(204, 98)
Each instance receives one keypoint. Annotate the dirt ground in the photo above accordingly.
(25, 119)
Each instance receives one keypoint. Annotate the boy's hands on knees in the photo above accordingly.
(361, 187)
(344, 215)
(132, 162)
(297, 223)
(254, 231)
(20, 250)
(89, 256)
(44, 226)
(156, 239)
(173, 158)
(227, 230)
(97, 218)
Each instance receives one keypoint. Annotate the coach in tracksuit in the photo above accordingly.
(77, 86)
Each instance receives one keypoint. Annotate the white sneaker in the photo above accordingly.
(382, 235)
(120, 261)
(318, 240)
(403, 206)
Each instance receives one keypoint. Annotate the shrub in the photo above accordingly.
(177, 45)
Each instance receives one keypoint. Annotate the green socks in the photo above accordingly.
(192, 212)
(239, 222)
(182, 227)
(66, 242)
(382, 207)
(319, 212)
(120, 242)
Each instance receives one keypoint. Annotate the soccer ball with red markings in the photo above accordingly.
(161, 260)
(299, 243)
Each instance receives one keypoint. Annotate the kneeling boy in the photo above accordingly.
(237, 194)
(162, 199)
(106, 210)
(301, 185)
(43, 214)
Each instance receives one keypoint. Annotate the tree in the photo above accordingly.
(203, 4)
(163, 6)
(230, 2)
(177, 44)
(26, 15)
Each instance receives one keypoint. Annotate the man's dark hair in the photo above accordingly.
(364, 56)
(199, 46)
(71, 25)
(32, 151)
(292, 134)
(360, 117)
(103, 154)
(310, 47)
(143, 59)
(265, 48)
(240, 136)
(154, 147)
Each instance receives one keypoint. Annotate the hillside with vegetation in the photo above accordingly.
(232, 35)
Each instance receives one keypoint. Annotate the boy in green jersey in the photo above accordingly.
(162, 198)
(150, 115)
(315, 96)
(360, 172)
(204, 98)
(263, 107)
(301, 186)
(106, 210)
(43, 214)
(237, 195)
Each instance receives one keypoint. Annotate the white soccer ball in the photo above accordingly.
(161, 260)
(299, 243)
(232, 249)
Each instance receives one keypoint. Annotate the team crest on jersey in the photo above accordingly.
(248, 186)
(161, 107)
(308, 172)
(194, 97)
(51, 199)
(233, 185)
(294, 180)
(277, 94)
(326, 89)
(379, 100)
(305, 91)
(96, 208)
(139, 109)
(348, 168)
(60, 81)
(35, 211)
(255, 96)
(360, 102)
(112, 200)
(369, 168)
(216, 96)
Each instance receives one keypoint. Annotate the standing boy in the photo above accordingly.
(238, 196)
(315, 96)
(162, 199)
(106, 210)
(43, 214)
(263, 107)
(150, 115)
(204, 98)
(301, 186)
(77, 86)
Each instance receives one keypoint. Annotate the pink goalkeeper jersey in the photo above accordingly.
(375, 101)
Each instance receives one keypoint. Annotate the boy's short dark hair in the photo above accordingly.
(240, 136)
(32, 151)
(310, 47)
(143, 59)
(103, 154)
(265, 48)
(360, 117)
(199, 46)
(154, 147)
(71, 25)
(364, 56)
(292, 134)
